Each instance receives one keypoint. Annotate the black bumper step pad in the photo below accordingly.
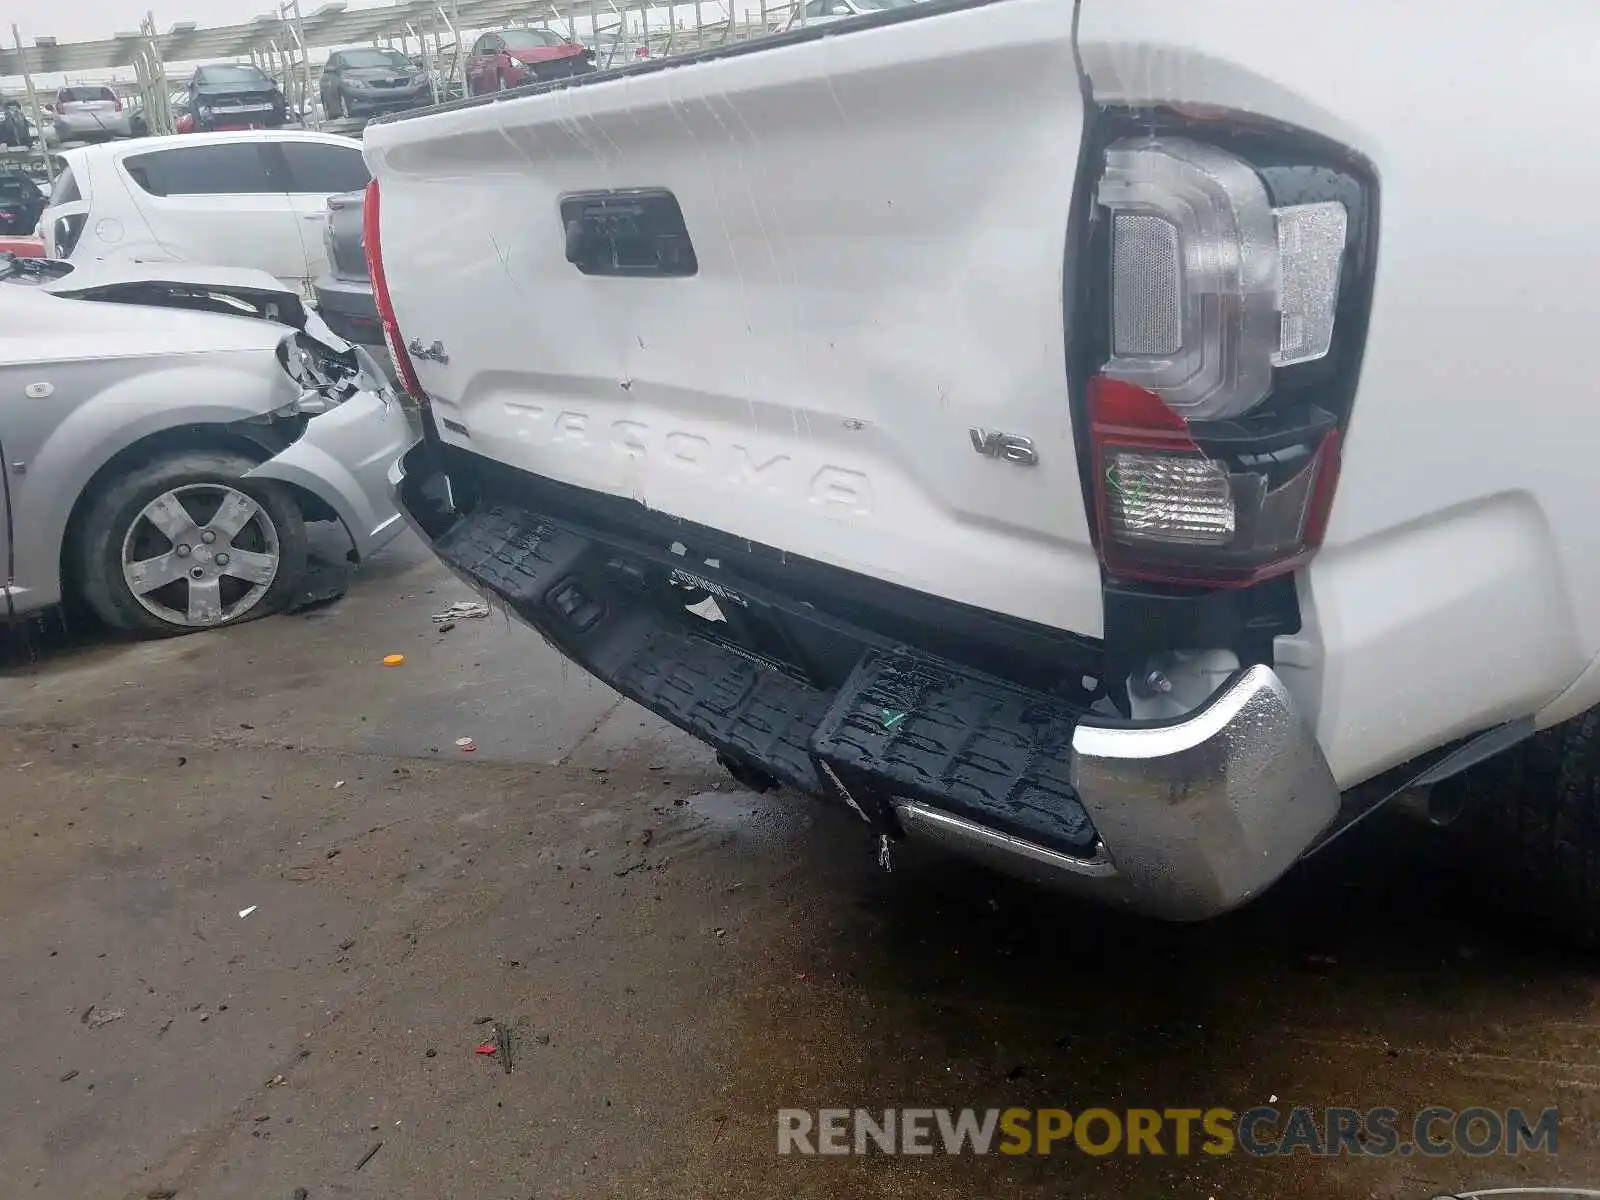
(514, 553)
(738, 705)
(903, 724)
(978, 747)
(741, 706)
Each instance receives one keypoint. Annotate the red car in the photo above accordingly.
(514, 57)
(22, 247)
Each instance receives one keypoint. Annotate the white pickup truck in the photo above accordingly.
(1126, 440)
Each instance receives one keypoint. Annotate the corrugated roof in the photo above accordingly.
(328, 26)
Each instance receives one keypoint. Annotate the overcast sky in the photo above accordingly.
(89, 20)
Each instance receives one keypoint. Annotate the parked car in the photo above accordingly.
(371, 80)
(163, 469)
(22, 203)
(15, 127)
(344, 295)
(90, 113)
(513, 57)
(823, 12)
(226, 96)
(254, 198)
(22, 247)
(1141, 513)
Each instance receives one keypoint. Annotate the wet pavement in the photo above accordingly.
(676, 959)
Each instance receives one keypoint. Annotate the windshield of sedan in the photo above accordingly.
(531, 39)
(392, 59)
(230, 73)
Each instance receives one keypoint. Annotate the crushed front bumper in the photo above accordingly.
(1182, 819)
(343, 458)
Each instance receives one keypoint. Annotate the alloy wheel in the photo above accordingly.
(200, 555)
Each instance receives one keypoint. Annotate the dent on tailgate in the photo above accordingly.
(818, 381)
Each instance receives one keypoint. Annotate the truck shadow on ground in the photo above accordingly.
(1374, 975)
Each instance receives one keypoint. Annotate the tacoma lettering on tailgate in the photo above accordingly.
(834, 488)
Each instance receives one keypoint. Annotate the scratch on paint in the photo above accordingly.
(504, 255)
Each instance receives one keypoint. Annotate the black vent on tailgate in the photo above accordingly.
(639, 232)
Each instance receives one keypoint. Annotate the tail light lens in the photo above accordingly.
(372, 243)
(1241, 507)
(1213, 463)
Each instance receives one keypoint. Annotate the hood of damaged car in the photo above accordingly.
(227, 291)
(41, 327)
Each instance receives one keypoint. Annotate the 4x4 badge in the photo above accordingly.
(1007, 447)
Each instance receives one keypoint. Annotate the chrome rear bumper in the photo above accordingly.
(1182, 819)
(1195, 816)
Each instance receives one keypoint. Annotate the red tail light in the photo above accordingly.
(1228, 513)
(1233, 310)
(380, 294)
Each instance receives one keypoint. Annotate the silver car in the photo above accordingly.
(165, 434)
(91, 113)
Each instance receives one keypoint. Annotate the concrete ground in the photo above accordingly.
(677, 959)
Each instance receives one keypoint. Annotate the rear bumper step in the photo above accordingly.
(1182, 820)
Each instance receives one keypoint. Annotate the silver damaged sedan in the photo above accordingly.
(167, 431)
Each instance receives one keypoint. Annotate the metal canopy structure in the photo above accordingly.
(281, 42)
(333, 24)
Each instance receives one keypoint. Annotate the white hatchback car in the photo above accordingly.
(252, 199)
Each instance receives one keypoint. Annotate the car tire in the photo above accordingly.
(1529, 831)
(119, 538)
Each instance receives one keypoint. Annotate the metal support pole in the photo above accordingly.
(33, 101)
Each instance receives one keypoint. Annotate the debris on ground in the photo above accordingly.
(325, 581)
(245, 912)
(486, 1048)
(502, 1040)
(69, 1076)
(301, 1194)
(463, 610)
(367, 1157)
(466, 745)
(99, 1018)
(447, 627)
(161, 1194)
(277, 1081)
(394, 660)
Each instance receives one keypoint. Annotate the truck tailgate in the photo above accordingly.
(878, 215)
